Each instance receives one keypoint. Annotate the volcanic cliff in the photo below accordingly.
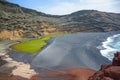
(110, 71)
(30, 23)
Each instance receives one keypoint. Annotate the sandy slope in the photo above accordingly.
(13, 67)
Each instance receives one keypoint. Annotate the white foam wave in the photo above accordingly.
(109, 51)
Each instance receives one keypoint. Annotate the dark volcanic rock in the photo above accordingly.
(116, 59)
(109, 72)
(2, 62)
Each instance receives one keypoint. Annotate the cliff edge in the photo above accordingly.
(110, 71)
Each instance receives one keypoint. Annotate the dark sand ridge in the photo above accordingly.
(73, 51)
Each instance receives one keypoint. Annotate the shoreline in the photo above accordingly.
(108, 50)
(25, 60)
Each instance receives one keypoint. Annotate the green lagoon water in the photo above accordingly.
(31, 46)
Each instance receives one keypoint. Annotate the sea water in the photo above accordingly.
(110, 46)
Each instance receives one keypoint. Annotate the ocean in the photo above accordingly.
(111, 46)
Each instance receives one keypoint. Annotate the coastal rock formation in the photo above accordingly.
(15, 68)
(2, 62)
(110, 71)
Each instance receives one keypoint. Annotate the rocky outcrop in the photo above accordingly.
(48, 28)
(11, 35)
(109, 72)
(2, 62)
(12, 67)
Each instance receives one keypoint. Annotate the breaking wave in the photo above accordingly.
(110, 46)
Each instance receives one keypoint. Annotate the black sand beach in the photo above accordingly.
(72, 51)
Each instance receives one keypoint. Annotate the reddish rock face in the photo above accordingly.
(35, 77)
(110, 71)
(116, 59)
(69, 74)
(79, 74)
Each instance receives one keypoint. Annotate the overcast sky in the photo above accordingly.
(62, 7)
